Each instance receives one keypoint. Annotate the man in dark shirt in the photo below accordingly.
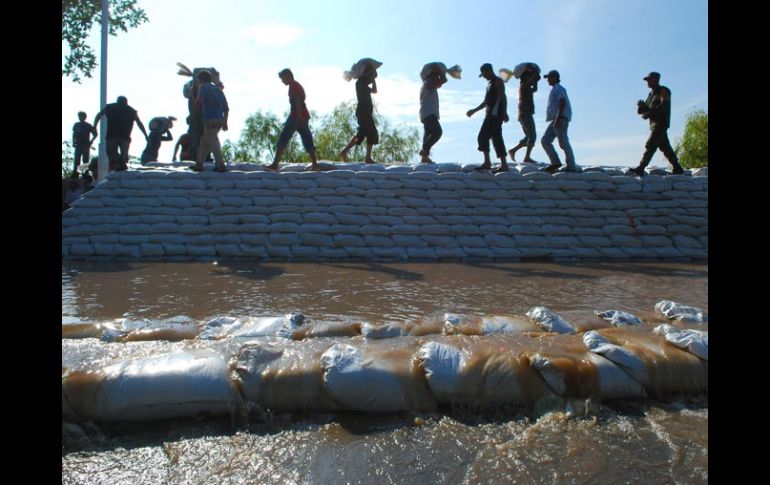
(364, 115)
(81, 141)
(657, 109)
(120, 122)
(496, 105)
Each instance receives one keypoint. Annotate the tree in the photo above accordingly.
(67, 155)
(693, 147)
(330, 135)
(77, 19)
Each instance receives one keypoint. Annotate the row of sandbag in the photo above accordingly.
(297, 327)
(396, 374)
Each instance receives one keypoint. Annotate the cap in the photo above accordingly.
(653, 74)
(553, 73)
(485, 67)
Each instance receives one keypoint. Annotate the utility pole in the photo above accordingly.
(103, 162)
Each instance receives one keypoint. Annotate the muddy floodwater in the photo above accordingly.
(621, 441)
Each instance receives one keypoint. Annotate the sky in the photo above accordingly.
(602, 49)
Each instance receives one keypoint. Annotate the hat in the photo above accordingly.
(485, 67)
(553, 73)
(654, 74)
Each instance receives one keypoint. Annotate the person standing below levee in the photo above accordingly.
(657, 109)
(559, 113)
(527, 88)
(120, 123)
(429, 113)
(298, 120)
(215, 111)
(496, 105)
(364, 115)
(81, 141)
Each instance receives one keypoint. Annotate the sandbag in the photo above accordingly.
(327, 329)
(358, 69)
(439, 67)
(248, 327)
(694, 341)
(549, 321)
(618, 318)
(456, 324)
(175, 385)
(517, 71)
(160, 124)
(682, 313)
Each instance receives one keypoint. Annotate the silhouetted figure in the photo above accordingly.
(82, 140)
(120, 122)
(364, 115)
(298, 120)
(559, 113)
(183, 143)
(527, 88)
(496, 114)
(429, 113)
(657, 109)
(215, 110)
(160, 131)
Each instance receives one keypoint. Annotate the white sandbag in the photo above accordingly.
(358, 69)
(326, 329)
(626, 360)
(585, 375)
(695, 341)
(549, 321)
(219, 327)
(283, 376)
(517, 71)
(482, 372)
(387, 330)
(618, 318)
(455, 324)
(439, 67)
(166, 386)
(376, 375)
(682, 313)
(249, 327)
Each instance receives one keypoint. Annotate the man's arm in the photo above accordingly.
(226, 111)
(559, 112)
(167, 136)
(374, 86)
(176, 149)
(140, 124)
(96, 123)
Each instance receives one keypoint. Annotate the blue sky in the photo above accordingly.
(602, 48)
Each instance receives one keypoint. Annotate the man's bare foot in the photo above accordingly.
(369, 160)
(272, 167)
(426, 160)
(343, 156)
(314, 168)
(529, 160)
(512, 154)
(501, 168)
(484, 166)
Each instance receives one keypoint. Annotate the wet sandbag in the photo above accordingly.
(549, 320)
(175, 385)
(377, 375)
(457, 324)
(692, 340)
(572, 371)
(618, 318)
(668, 371)
(484, 372)
(250, 327)
(171, 333)
(327, 329)
(285, 376)
(358, 69)
(440, 68)
(383, 330)
(86, 330)
(679, 312)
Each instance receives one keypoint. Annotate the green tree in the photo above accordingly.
(77, 19)
(693, 148)
(67, 156)
(259, 139)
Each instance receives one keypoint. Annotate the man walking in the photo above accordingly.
(364, 115)
(527, 88)
(559, 113)
(496, 105)
(298, 120)
(429, 114)
(120, 123)
(657, 109)
(215, 111)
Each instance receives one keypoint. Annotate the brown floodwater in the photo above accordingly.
(623, 441)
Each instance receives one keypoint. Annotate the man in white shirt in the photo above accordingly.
(559, 113)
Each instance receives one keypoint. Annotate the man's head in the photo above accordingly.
(286, 76)
(204, 77)
(486, 71)
(171, 120)
(122, 100)
(553, 77)
(82, 115)
(653, 79)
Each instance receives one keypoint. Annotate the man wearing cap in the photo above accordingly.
(298, 120)
(657, 109)
(559, 113)
(120, 123)
(496, 105)
(215, 111)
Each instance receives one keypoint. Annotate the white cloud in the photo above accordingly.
(274, 34)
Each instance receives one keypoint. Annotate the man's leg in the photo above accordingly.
(547, 143)
(670, 154)
(569, 156)
(485, 134)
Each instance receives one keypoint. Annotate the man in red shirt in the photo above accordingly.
(298, 120)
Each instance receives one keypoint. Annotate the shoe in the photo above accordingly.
(677, 171)
(220, 169)
(551, 168)
(569, 169)
(270, 168)
(501, 168)
(195, 168)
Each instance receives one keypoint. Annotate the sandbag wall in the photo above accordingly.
(395, 213)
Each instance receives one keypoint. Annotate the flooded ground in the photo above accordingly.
(611, 442)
